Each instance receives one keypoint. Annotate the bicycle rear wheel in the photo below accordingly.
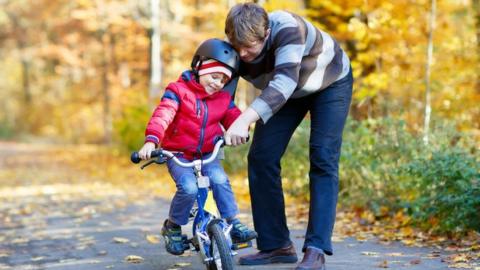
(219, 249)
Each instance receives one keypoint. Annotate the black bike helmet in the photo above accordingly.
(219, 50)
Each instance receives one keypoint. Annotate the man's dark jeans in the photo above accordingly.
(328, 111)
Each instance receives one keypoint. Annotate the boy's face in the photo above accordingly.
(213, 82)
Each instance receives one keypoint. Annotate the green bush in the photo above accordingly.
(6, 131)
(129, 130)
(372, 150)
(383, 164)
(446, 190)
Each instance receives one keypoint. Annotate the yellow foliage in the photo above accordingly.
(66, 47)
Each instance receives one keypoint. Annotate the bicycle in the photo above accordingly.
(210, 235)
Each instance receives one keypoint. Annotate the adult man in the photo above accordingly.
(299, 69)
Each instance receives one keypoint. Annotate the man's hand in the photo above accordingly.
(237, 133)
(146, 150)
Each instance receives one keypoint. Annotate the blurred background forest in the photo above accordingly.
(80, 72)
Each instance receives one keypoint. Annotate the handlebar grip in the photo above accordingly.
(135, 158)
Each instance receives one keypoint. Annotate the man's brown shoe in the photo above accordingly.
(280, 255)
(313, 259)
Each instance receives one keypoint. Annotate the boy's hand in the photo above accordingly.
(146, 150)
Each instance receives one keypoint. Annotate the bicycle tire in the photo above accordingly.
(219, 249)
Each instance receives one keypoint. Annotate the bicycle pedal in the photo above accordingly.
(240, 245)
(195, 246)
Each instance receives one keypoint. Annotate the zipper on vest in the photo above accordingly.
(198, 108)
(202, 129)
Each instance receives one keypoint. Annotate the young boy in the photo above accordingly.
(187, 121)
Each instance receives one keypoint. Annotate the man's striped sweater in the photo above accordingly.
(297, 60)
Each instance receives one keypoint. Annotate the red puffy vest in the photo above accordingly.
(188, 119)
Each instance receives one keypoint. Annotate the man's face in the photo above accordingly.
(250, 50)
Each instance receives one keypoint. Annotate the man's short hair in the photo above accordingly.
(246, 23)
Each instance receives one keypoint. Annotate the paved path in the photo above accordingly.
(54, 218)
(71, 244)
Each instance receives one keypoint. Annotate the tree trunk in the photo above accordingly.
(476, 10)
(26, 82)
(21, 44)
(155, 54)
(196, 21)
(428, 108)
(106, 39)
(107, 122)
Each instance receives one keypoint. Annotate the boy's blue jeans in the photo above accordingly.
(328, 112)
(187, 190)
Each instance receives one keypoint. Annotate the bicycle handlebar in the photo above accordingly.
(155, 153)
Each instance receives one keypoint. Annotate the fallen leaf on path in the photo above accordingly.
(153, 238)
(120, 240)
(459, 258)
(394, 254)
(460, 265)
(408, 242)
(4, 267)
(361, 238)
(133, 259)
(383, 264)
(434, 254)
(416, 261)
(188, 254)
(337, 239)
(406, 232)
(81, 247)
(181, 264)
(105, 224)
(370, 253)
(367, 217)
(67, 260)
(20, 240)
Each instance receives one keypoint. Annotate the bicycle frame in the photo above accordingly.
(203, 185)
(202, 218)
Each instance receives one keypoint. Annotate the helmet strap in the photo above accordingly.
(195, 70)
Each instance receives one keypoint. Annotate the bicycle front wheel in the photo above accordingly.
(219, 249)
